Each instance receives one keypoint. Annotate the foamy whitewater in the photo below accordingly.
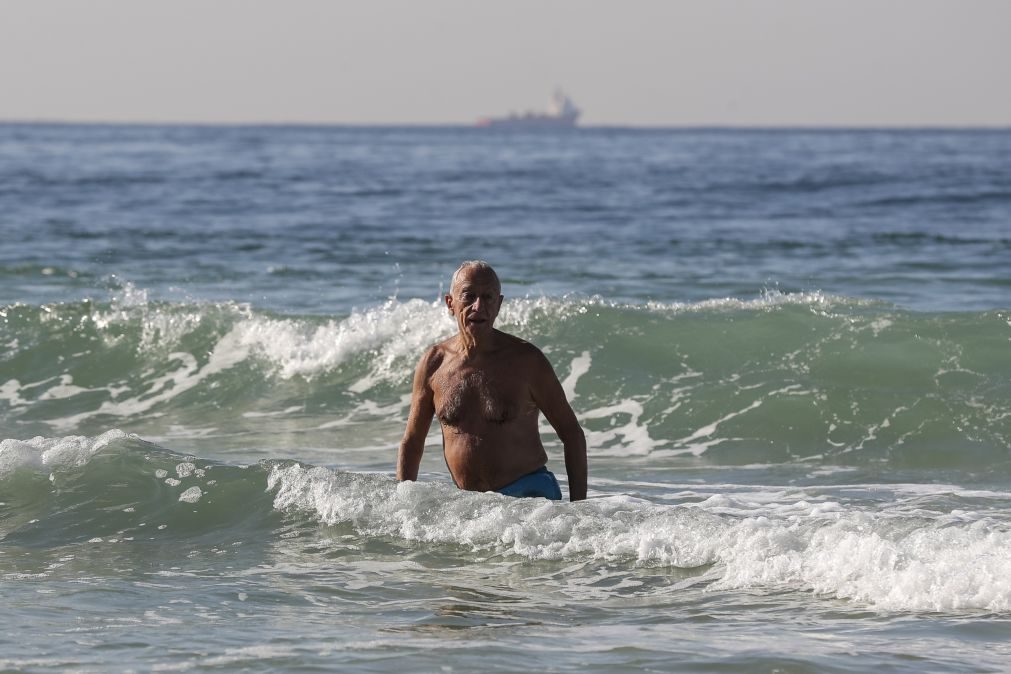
(790, 352)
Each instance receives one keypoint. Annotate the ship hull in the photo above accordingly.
(528, 122)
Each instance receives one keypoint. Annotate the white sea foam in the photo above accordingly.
(74, 450)
(11, 392)
(931, 568)
(228, 352)
(768, 299)
(65, 389)
(630, 438)
(191, 495)
(391, 333)
(535, 528)
(580, 366)
(885, 561)
(275, 413)
(710, 429)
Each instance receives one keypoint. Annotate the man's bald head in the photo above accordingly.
(473, 267)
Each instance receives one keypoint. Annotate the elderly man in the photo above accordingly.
(487, 388)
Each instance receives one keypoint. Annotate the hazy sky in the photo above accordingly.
(633, 62)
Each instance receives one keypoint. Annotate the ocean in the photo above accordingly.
(790, 351)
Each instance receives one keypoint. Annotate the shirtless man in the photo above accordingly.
(487, 388)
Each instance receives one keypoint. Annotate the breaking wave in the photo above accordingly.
(780, 378)
(944, 550)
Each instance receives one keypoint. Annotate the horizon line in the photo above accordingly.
(464, 125)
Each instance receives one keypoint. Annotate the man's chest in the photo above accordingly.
(469, 395)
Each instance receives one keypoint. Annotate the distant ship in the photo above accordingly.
(561, 114)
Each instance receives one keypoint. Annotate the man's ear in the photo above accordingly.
(449, 303)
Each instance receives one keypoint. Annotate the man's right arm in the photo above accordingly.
(412, 446)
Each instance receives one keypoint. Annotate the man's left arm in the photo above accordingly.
(550, 398)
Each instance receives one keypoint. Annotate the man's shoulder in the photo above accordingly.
(521, 349)
(433, 357)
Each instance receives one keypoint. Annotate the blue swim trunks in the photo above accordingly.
(541, 482)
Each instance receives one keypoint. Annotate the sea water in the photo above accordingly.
(790, 351)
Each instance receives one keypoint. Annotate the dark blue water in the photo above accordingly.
(790, 351)
(322, 219)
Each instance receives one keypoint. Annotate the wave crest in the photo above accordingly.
(780, 378)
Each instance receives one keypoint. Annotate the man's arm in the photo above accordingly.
(550, 398)
(412, 446)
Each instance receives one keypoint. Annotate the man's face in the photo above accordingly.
(475, 301)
